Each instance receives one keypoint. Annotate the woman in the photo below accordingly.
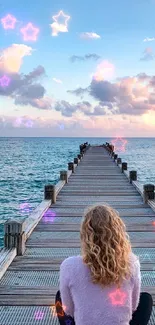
(102, 287)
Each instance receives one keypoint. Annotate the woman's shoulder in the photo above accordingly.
(134, 262)
(71, 261)
(134, 258)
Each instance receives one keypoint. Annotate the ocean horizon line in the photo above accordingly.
(88, 137)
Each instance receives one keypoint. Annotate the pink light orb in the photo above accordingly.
(5, 81)
(8, 22)
(29, 32)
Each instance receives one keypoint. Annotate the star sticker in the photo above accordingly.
(29, 32)
(4, 81)
(58, 309)
(58, 26)
(39, 315)
(61, 126)
(117, 297)
(18, 121)
(61, 13)
(8, 22)
(49, 216)
(25, 208)
(29, 124)
(119, 144)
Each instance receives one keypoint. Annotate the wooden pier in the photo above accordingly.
(35, 247)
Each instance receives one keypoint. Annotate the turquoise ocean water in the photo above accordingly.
(28, 164)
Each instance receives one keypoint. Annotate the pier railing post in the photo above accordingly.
(132, 175)
(119, 161)
(148, 192)
(81, 148)
(76, 161)
(14, 235)
(64, 175)
(115, 157)
(50, 193)
(71, 166)
(124, 166)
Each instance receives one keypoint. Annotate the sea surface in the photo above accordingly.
(28, 164)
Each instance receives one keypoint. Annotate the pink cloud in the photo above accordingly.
(11, 58)
(104, 70)
(91, 126)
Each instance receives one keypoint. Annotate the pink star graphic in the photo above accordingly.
(25, 208)
(119, 144)
(39, 315)
(49, 216)
(61, 13)
(29, 32)
(4, 81)
(29, 124)
(117, 297)
(8, 22)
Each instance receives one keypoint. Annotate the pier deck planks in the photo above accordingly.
(29, 285)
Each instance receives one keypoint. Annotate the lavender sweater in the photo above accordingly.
(90, 304)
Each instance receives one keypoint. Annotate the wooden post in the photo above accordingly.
(71, 166)
(115, 157)
(148, 193)
(14, 235)
(133, 175)
(119, 161)
(79, 157)
(124, 166)
(76, 161)
(64, 175)
(50, 193)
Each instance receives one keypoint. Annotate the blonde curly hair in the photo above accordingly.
(105, 245)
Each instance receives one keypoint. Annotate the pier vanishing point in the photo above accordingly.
(35, 247)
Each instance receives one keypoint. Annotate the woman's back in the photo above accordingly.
(92, 304)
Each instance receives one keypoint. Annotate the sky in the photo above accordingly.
(77, 68)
